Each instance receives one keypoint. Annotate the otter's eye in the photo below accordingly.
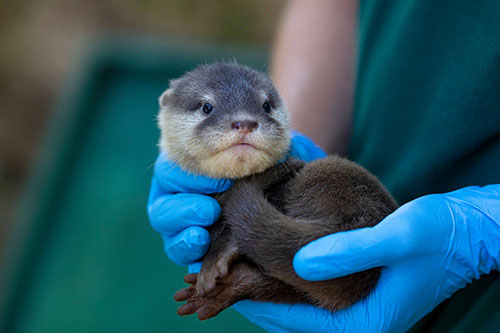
(207, 108)
(266, 107)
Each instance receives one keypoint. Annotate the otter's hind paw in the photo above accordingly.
(222, 296)
(214, 269)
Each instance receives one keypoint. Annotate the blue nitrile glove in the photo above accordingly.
(429, 248)
(304, 148)
(179, 211)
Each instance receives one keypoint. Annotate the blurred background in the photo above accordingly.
(76, 78)
(42, 40)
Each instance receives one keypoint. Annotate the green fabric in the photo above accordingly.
(427, 113)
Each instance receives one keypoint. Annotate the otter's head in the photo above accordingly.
(224, 121)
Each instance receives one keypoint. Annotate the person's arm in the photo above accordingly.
(313, 68)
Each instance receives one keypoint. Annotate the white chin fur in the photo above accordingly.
(230, 164)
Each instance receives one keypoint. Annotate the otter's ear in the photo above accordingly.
(165, 97)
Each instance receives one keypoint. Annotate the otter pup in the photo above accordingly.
(226, 120)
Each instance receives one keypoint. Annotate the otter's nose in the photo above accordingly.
(245, 126)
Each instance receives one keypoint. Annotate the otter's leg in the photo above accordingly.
(279, 173)
(223, 251)
(245, 281)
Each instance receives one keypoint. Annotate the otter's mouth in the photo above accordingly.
(243, 144)
(242, 147)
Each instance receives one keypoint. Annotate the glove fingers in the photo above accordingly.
(352, 251)
(187, 246)
(170, 214)
(285, 317)
(195, 267)
(174, 180)
(396, 304)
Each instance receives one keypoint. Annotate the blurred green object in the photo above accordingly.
(83, 257)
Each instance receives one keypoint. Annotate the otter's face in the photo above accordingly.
(223, 121)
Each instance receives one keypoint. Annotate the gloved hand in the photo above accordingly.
(429, 248)
(179, 210)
